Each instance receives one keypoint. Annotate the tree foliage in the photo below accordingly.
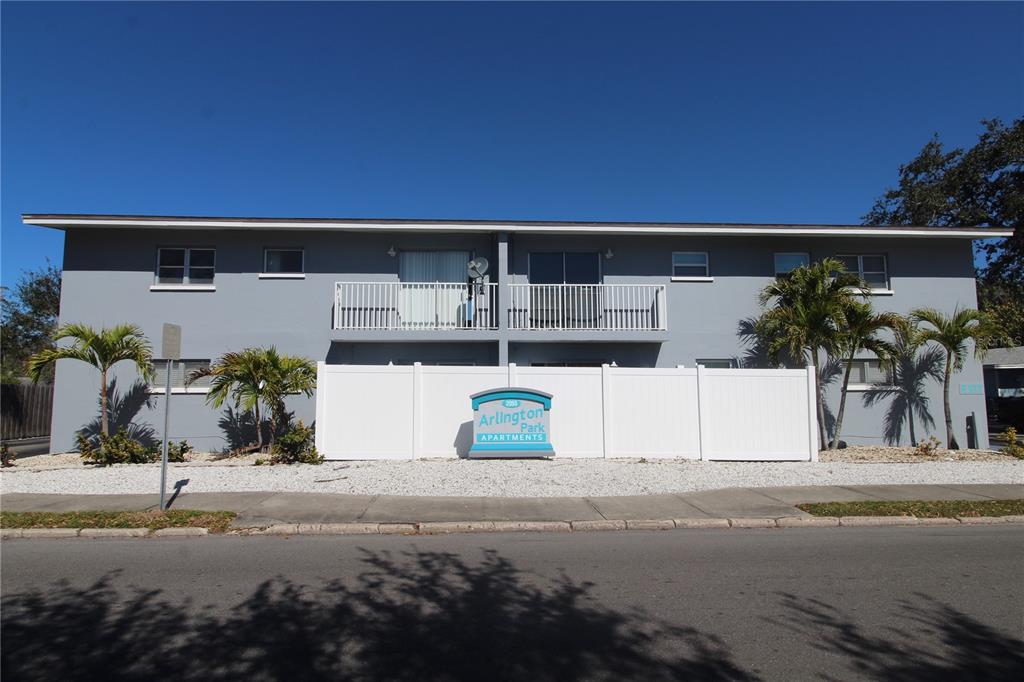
(979, 186)
(29, 318)
(102, 349)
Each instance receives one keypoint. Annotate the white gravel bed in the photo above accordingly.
(510, 478)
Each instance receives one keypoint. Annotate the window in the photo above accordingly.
(871, 268)
(688, 264)
(786, 263)
(185, 266)
(565, 268)
(180, 370)
(283, 261)
(869, 373)
(726, 363)
(570, 363)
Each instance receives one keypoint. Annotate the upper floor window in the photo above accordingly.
(871, 268)
(185, 265)
(786, 263)
(283, 261)
(687, 264)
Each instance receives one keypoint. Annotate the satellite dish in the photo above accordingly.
(477, 267)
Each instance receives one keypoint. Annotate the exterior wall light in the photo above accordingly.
(608, 254)
(391, 251)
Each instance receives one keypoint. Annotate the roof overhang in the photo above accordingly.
(76, 221)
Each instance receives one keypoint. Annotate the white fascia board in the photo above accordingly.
(355, 226)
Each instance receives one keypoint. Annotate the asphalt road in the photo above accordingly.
(886, 604)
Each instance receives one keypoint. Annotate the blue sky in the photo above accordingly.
(689, 112)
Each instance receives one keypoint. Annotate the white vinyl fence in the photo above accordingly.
(412, 412)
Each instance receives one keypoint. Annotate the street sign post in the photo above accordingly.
(171, 350)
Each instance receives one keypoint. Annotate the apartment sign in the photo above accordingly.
(511, 422)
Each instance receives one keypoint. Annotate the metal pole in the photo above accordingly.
(163, 450)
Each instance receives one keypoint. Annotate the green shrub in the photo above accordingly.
(116, 449)
(176, 451)
(1013, 449)
(927, 448)
(295, 446)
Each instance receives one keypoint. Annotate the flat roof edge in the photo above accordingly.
(66, 221)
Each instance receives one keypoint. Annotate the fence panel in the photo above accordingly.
(376, 412)
(653, 413)
(26, 410)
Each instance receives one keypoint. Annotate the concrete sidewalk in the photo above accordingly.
(267, 509)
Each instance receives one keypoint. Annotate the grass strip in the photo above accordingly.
(919, 508)
(216, 521)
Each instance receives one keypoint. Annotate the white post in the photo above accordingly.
(606, 411)
(417, 411)
(702, 430)
(321, 407)
(163, 449)
(511, 374)
(812, 415)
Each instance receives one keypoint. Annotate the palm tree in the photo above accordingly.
(911, 368)
(952, 333)
(256, 376)
(287, 375)
(858, 333)
(102, 349)
(806, 316)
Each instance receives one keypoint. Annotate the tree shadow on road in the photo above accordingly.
(414, 616)
(929, 640)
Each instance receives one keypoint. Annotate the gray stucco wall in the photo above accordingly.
(108, 272)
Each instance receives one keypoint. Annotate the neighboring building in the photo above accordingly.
(398, 291)
(1004, 385)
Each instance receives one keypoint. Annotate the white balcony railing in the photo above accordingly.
(415, 305)
(599, 307)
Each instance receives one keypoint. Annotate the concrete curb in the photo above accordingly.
(450, 527)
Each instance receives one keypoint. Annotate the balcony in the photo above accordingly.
(414, 306)
(364, 308)
(589, 307)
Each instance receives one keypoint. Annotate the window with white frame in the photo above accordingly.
(690, 264)
(718, 363)
(870, 267)
(786, 263)
(185, 265)
(180, 371)
(283, 261)
(867, 373)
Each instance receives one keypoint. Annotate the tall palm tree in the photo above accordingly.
(805, 316)
(102, 349)
(859, 331)
(911, 368)
(258, 376)
(952, 333)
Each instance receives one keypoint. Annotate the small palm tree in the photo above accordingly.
(952, 333)
(258, 376)
(859, 333)
(806, 315)
(102, 349)
(287, 375)
(911, 368)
